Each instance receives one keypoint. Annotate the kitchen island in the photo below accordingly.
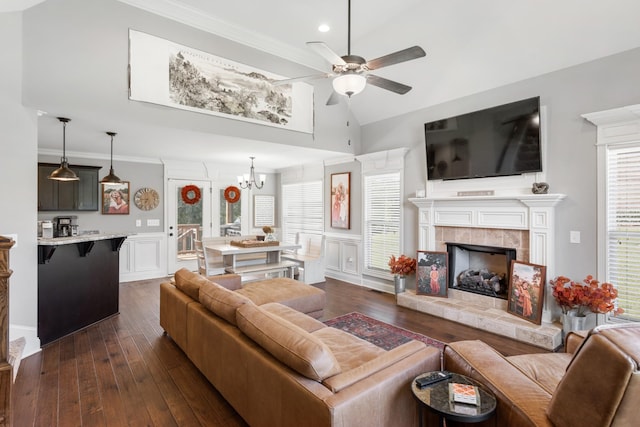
(78, 282)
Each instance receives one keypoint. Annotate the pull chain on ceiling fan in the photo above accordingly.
(351, 72)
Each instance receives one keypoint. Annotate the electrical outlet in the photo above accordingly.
(138, 223)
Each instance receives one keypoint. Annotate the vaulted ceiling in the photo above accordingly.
(471, 46)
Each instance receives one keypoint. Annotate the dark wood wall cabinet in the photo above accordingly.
(81, 195)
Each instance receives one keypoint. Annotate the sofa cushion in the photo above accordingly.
(546, 369)
(286, 291)
(189, 282)
(221, 301)
(307, 323)
(288, 343)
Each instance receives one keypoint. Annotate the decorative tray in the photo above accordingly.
(253, 243)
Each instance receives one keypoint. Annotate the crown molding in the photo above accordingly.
(98, 156)
(198, 19)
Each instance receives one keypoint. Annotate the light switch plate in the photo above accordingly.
(574, 237)
(153, 223)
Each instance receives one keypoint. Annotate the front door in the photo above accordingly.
(188, 219)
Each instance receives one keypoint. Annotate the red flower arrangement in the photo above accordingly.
(402, 265)
(590, 295)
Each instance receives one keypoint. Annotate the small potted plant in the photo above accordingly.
(400, 268)
(269, 234)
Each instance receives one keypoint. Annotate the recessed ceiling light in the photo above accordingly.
(323, 28)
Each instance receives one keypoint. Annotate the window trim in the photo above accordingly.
(379, 163)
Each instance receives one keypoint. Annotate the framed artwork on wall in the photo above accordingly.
(170, 74)
(432, 273)
(115, 198)
(340, 200)
(526, 291)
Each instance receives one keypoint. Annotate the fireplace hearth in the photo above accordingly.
(514, 219)
(480, 269)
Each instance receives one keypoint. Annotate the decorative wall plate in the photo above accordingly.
(146, 199)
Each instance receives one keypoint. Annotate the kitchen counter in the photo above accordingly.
(54, 241)
(78, 282)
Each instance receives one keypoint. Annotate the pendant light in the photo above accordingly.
(63, 173)
(112, 177)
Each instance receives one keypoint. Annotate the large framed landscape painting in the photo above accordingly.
(432, 273)
(526, 289)
(167, 73)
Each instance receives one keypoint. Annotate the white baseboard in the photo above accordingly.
(30, 334)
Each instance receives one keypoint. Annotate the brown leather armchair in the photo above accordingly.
(597, 385)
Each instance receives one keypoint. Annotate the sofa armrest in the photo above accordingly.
(574, 340)
(341, 381)
(520, 400)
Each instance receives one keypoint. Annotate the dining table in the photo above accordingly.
(234, 257)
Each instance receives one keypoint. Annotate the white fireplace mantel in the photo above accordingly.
(532, 212)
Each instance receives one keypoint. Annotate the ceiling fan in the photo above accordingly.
(351, 72)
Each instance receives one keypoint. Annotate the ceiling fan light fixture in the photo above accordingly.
(349, 84)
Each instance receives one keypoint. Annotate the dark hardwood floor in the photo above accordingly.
(124, 372)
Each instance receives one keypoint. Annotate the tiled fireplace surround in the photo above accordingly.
(524, 222)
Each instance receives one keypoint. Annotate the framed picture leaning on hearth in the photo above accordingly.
(526, 291)
(432, 273)
(340, 200)
(115, 198)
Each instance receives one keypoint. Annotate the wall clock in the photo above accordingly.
(146, 199)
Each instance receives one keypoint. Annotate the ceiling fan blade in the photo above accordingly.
(387, 84)
(301, 79)
(396, 57)
(323, 50)
(334, 98)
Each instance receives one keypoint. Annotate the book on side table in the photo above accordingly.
(464, 393)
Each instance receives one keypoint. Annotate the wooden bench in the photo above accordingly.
(284, 267)
(310, 257)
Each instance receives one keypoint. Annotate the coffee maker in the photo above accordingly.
(64, 226)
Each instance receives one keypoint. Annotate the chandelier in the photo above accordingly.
(248, 180)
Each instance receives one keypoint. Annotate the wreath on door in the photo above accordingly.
(232, 194)
(190, 194)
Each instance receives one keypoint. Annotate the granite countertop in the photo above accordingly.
(56, 241)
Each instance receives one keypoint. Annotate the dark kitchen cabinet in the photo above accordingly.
(81, 195)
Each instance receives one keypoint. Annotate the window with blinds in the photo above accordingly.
(623, 226)
(381, 221)
(302, 209)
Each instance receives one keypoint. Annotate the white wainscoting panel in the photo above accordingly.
(143, 256)
(343, 255)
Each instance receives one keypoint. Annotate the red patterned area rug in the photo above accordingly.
(382, 334)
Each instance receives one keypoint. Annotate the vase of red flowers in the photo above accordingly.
(400, 268)
(579, 299)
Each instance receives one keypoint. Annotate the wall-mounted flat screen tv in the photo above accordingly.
(497, 141)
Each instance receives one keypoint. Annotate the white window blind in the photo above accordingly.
(302, 209)
(382, 221)
(623, 226)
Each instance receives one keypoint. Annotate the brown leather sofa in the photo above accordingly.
(596, 383)
(280, 367)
